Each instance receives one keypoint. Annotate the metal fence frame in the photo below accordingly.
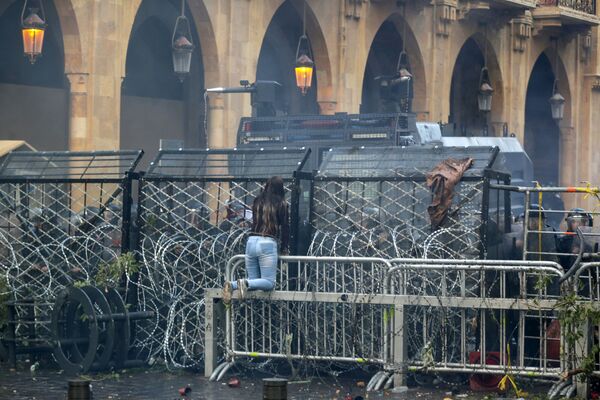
(216, 183)
(71, 194)
(394, 359)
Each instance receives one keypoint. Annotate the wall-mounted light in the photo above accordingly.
(33, 27)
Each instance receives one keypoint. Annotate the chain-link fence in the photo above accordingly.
(195, 210)
(376, 202)
(62, 215)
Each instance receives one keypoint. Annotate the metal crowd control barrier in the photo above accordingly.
(309, 317)
(462, 315)
(313, 314)
(195, 209)
(586, 287)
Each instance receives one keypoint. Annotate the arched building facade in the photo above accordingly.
(102, 57)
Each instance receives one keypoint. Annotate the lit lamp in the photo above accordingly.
(33, 28)
(557, 103)
(304, 72)
(305, 65)
(182, 45)
(484, 97)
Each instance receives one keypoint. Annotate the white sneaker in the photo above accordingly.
(242, 288)
(227, 292)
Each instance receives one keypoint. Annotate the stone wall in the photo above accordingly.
(96, 36)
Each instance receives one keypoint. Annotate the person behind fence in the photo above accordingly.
(270, 230)
(541, 238)
(569, 244)
(237, 215)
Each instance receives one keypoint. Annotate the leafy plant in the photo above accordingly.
(110, 274)
(574, 315)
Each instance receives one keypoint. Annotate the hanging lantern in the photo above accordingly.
(33, 28)
(305, 65)
(304, 72)
(484, 97)
(182, 45)
(557, 103)
(182, 57)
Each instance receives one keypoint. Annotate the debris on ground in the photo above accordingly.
(234, 382)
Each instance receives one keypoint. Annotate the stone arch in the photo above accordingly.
(542, 135)
(322, 75)
(155, 104)
(560, 70)
(464, 86)
(33, 97)
(71, 36)
(204, 28)
(412, 48)
(208, 42)
(320, 52)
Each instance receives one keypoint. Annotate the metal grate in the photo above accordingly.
(70, 165)
(400, 161)
(250, 164)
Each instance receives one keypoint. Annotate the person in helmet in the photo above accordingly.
(569, 243)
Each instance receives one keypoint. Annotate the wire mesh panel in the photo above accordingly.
(61, 217)
(195, 211)
(374, 202)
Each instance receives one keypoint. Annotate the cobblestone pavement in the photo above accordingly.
(153, 384)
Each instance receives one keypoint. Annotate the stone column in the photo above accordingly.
(567, 163)
(327, 107)
(78, 111)
(216, 136)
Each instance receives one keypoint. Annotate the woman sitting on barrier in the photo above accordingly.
(270, 224)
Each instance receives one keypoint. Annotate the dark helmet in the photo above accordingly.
(536, 210)
(580, 213)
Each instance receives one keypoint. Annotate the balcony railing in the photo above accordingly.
(586, 6)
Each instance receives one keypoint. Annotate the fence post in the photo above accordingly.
(485, 211)
(399, 346)
(126, 221)
(213, 318)
(582, 350)
(11, 335)
(294, 214)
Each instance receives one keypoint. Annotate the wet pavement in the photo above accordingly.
(156, 384)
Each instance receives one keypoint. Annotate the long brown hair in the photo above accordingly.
(267, 205)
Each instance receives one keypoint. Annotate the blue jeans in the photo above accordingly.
(261, 263)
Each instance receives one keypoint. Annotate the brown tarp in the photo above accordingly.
(441, 180)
